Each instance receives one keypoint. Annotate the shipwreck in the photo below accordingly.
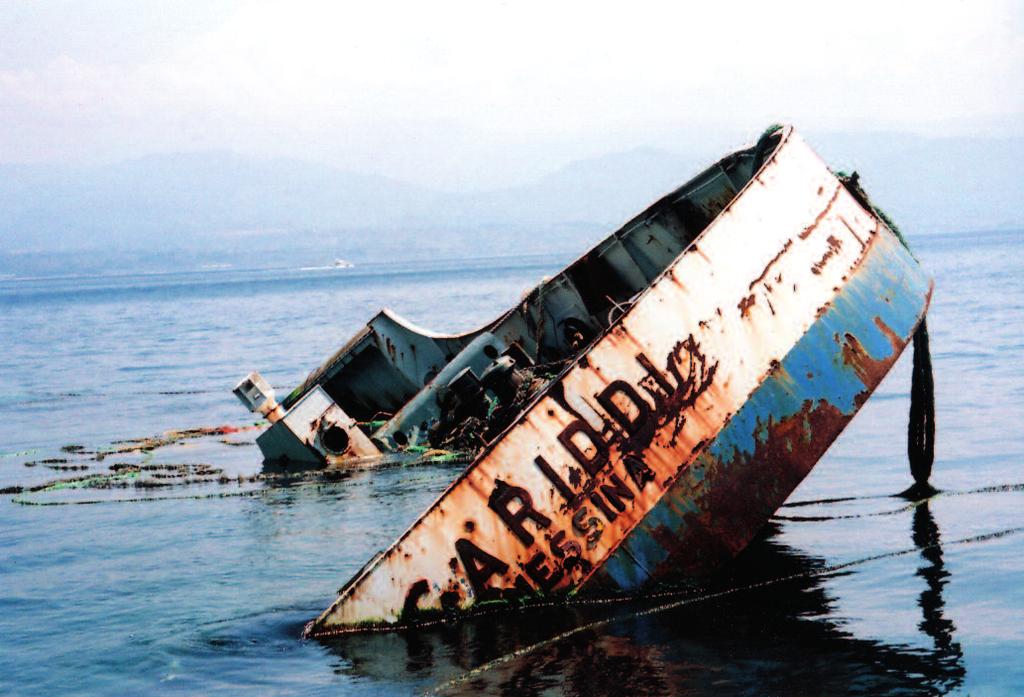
(636, 417)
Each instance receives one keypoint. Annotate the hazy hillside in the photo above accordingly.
(606, 190)
(186, 209)
(171, 200)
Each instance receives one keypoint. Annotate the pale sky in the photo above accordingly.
(469, 94)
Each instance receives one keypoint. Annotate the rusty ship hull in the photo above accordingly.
(680, 420)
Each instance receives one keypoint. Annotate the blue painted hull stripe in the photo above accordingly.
(890, 285)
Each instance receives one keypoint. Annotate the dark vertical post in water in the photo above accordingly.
(921, 429)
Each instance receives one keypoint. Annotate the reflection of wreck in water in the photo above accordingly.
(934, 624)
(776, 639)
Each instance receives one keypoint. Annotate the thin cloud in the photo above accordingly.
(453, 85)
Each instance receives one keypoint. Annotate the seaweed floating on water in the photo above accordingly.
(152, 477)
(151, 443)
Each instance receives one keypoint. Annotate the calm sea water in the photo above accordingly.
(204, 587)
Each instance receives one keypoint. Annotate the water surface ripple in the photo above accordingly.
(193, 571)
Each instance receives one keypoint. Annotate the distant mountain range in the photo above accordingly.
(256, 211)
